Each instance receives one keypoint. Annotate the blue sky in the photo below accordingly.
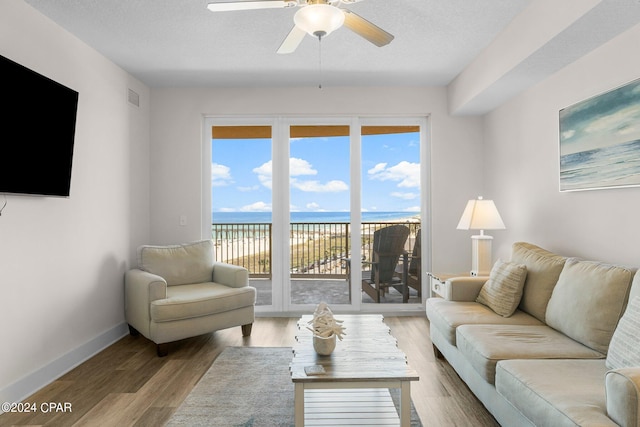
(319, 174)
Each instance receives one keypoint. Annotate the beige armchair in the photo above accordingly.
(178, 292)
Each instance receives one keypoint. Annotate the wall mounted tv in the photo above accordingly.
(38, 127)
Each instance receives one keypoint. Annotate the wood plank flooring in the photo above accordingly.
(128, 385)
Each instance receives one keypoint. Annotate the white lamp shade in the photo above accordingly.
(481, 215)
(319, 19)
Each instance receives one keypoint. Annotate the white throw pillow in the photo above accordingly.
(502, 292)
(624, 349)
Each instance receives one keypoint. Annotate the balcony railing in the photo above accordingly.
(316, 249)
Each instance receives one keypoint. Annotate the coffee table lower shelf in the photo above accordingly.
(368, 358)
(316, 405)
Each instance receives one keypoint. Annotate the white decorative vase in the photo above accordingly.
(324, 346)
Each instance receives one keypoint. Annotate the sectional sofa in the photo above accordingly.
(545, 340)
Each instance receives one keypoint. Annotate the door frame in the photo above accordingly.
(281, 199)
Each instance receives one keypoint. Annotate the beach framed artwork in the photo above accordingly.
(600, 141)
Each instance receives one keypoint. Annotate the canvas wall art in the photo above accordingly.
(600, 141)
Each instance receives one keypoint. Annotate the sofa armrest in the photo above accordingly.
(622, 388)
(230, 275)
(464, 288)
(140, 289)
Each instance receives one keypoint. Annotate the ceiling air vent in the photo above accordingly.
(133, 98)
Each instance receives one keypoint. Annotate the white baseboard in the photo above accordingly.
(33, 382)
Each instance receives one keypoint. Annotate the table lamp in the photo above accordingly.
(481, 215)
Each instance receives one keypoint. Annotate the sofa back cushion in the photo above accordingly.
(179, 264)
(624, 350)
(588, 301)
(543, 270)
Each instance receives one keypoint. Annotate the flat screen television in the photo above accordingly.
(37, 128)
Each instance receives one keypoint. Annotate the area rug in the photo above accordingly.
(247, 387)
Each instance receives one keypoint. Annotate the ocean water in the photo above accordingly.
(317, 217)
(617, 165)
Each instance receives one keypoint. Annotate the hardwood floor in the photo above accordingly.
(128, 385)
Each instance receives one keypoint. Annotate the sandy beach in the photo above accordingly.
(317, 246)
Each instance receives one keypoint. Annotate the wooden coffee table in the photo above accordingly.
(357, 378)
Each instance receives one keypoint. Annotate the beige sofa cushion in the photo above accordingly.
(556, 392)
(502, 292)
(446, 316)
(624, 350)
(588, 300)
(485, 345)
(179, 264)
(543, 270)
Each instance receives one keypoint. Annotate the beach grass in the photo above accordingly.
(314, 249)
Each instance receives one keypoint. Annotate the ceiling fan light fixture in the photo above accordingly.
(319, 20)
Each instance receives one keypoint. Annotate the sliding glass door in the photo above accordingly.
(319, 175)
(241, 201)
(302, 203)
(391, 214)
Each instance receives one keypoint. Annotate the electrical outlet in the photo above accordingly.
(183, 220)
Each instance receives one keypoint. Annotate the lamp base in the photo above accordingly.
(481, 255)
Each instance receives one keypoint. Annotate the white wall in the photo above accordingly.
(176, 137)
(522, 166)
(62, 260)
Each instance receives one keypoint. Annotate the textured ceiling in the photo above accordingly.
(180, 43)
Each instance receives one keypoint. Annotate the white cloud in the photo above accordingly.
(246, 189)
(297, 167)
(377, 168)
(264, 172)
(256, 207)
(404, 196)
(334, 186)
(624, 120)
(220, 175)
(407, 174)
(313, 205)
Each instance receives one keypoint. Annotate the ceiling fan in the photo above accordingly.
(317, 18)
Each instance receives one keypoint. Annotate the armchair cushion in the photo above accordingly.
(179, 264)
(200, 299)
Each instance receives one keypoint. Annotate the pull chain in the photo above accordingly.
(320, 61)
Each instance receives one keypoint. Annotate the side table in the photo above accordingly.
(437, 281)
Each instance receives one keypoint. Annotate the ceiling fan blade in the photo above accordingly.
(224, 6)
(366, 29)
(293, 39)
